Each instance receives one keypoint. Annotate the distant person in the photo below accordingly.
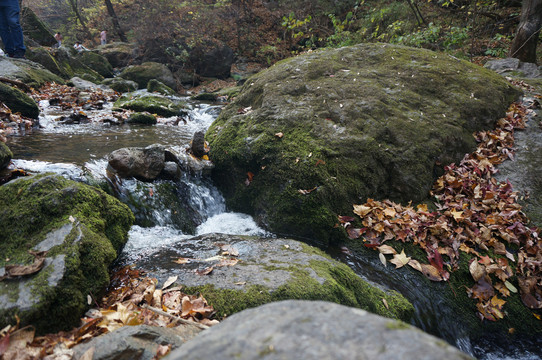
(59, 38)
(10, 29)
(79, 47)
(103, 37)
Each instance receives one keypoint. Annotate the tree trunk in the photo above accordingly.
(75, 9)
(115, 20)
(526, 39)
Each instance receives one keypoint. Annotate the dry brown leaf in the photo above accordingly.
(205, 271)
(400, 260)
(182, 260)
(387, 250)
(169, 282)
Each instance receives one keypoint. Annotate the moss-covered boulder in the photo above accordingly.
(5, 155)
(18, 101)
(322, 131)
(143, 118)
(118, 54)
(153, 103)
(36, 29)
(147, 71)
(120, 85)
(96, 62)
(28, 72)
(268, 270)
(156, 86)
(82, 230)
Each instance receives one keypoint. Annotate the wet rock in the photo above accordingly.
(147, 71)
(205, 97)
(5, 155)
(366, 121)
(74, 118)
(171, 171)
(313, 330)
(156, 86)
(194, 165)
(198, 144)
(187, 77)
(153, 103)
(18, 101)
(267, 270)
(120, 85)
(212, 58)
(135, 342)
(143, 118)
(82, 229)
(514, 67)
(142, 163)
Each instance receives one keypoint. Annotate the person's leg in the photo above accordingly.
(4, 31)
(16, 32)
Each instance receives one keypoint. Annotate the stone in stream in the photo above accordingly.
(313, 330)
(198, 144)
(5, 155)
(142, 163)
(147, 71)
(81, 228)
(365, 121)
(237, 272)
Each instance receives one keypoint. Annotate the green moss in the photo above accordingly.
(5, 155)
(151, 103)
(36, 206)
(397, 325)
(142, 118)
(341, 285)
(18, 101)
(156, 86)
(367, 121)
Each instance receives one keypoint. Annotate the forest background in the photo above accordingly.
(266, 31)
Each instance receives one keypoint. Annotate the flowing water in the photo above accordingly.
(79, 151)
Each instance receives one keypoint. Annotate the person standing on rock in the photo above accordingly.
(10, 29)
(58, 38)
(103, 37)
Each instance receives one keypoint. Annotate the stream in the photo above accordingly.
(79, 151)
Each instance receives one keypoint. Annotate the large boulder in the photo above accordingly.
(312, 135)
(36, 29)
(18, 101)
(153, 103)
(118, 54)
(313, 330)
(249, 271)
(77, 231)
(28, 72)
(142, 163)
(96, 62)
(147, 71)
(212, 59)
(5, 155)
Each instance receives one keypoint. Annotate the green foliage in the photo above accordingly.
(341, 36)
(498, 46)
(296, 26)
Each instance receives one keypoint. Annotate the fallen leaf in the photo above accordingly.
(279, 135)
(12, 270)
(205, 271)
(510, 287)
(305, 192)
(182, 260)
(400, 260)
(362, 210)
(476, 270)
(386, 249)
(382, 259)
(169, 282)
(385, 302)
(227, 262)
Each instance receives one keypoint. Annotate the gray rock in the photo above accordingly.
(267, 270)
(153, 103)
(156, 86)
(120, 85)
(142, 163)
(135, 342)
(366, 121)
(86, 85)
(171, 171)
(96, 62)
(28, 72)
(514, 67)
(50, 213)
(118, 54)
(313, 330)
(193, 165)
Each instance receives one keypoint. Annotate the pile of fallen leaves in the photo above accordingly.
(475, 215)
(133, 299)
(68, 97)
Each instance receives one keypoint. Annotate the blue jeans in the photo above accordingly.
(10, 28)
